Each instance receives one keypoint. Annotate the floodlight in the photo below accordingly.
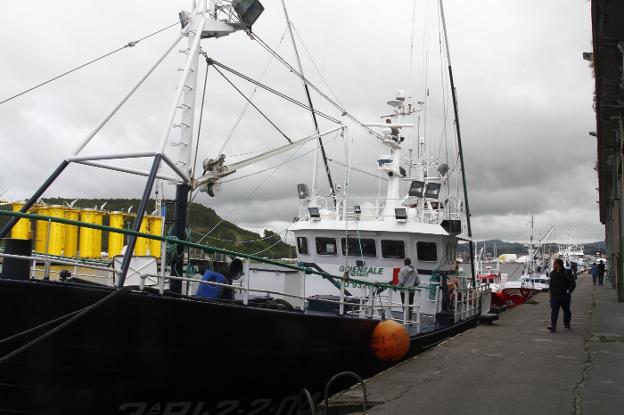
(417, 188)
(248, 10)
(433, 190)
(303, 191)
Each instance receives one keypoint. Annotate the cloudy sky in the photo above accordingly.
(525, 98)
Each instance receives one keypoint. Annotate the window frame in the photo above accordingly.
(418, 251)
(356, 241)
(383, 254)
(305, 245)
(316, 243)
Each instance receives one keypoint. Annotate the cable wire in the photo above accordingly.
(127, 45)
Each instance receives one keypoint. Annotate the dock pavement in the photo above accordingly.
(515, 366)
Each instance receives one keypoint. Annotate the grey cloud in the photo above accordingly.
(525, 101)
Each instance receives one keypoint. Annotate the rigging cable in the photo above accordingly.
(343, 111)
(127, 45)
(251, 103)
(253, 93)
(275, 166)
(250, 194)
(273, 91)
(355, 169)
(314, 120)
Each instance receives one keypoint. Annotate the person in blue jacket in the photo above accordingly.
(594, 273)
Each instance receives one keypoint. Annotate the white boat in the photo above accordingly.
(535, 270)
(156, 345)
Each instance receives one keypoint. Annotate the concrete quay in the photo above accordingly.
(515, 366)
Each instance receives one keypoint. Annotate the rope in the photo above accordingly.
(127, 45)
(78, 315)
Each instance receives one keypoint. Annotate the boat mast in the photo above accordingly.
(312, 112)
(459, 141)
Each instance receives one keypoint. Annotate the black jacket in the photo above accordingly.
(561, 283)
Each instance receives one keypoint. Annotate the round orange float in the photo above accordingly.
(390, 340)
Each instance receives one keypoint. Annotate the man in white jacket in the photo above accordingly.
(408, 278)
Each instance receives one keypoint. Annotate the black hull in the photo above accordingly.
(143, 353)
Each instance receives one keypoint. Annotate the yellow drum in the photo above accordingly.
(115, 240)
(90, 239)
(56, 235)
(41, 230)
(140, 249)
(21, 230)
(70, 246)
(155, 228)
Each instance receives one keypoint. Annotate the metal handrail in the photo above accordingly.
(339, 375)
(189, 244)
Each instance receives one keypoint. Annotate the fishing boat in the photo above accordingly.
(140, 345)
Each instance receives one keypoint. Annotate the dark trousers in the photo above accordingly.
(555, 304)
(594, 278)
(410, 297)
(600, 278)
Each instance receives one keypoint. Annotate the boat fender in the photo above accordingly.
(390, 341)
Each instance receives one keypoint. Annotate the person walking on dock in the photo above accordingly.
(601, 272)
(561, 286)
(594, 273)
(408, 278)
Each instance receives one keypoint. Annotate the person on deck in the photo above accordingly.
(561, 286)
(408, 278)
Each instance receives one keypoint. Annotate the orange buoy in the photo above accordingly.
(390, 340)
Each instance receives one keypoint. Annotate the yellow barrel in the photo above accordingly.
(142, 243)
(55, 237)
(41, 230)
(21, 230)
(70, 246)
(155, 228)
(115, 240)
(90, 239)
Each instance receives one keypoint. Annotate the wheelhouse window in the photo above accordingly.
(427, 251)
(302, 245)
(326, 246)
(392, 249)
(359, 247)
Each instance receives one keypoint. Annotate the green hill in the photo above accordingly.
(202, 220)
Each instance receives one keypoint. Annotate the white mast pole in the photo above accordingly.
(185, 96)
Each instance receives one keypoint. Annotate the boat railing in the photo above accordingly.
(466, 307)
(356, 208)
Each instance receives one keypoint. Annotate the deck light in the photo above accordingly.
(302, 190)
(248, 11)
(417, 188)
(433, 190)
(315, 214)
(400, 214)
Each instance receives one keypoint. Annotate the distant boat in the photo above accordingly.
(508, 258)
